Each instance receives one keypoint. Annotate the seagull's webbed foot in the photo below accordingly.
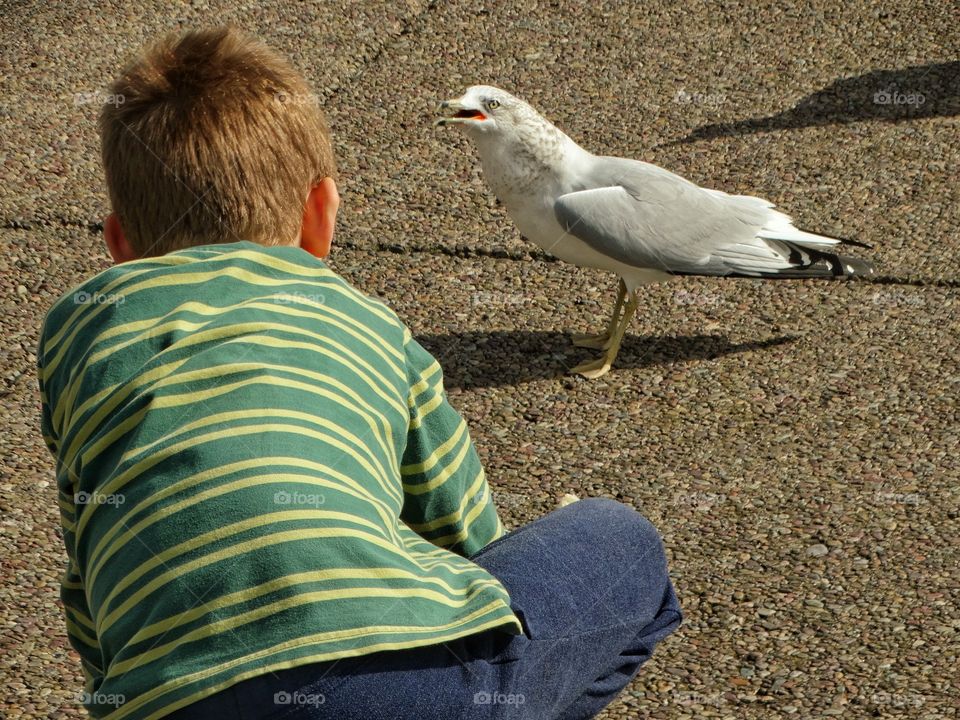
(597, 368)
(593, 369)
(601, 341)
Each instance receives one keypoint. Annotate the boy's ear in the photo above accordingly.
(117, 243)
(319, 218)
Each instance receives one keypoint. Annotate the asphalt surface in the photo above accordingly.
(796, 443)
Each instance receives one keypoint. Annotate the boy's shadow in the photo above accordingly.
(492, 359)
(921, 91)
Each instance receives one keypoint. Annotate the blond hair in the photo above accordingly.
(216, 139)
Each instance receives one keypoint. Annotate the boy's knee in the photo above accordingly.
(619, 518)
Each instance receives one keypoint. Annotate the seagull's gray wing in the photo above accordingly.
(647, 217)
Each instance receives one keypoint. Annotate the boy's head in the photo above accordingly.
(218, 139)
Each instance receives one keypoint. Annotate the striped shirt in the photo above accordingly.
(257, 469)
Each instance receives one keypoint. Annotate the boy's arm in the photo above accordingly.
(81, 631)
(446, 496)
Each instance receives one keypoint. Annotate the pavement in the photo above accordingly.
(796, 443)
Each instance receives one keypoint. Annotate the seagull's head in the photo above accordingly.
(484, 109)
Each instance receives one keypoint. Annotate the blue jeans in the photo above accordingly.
(589, 583)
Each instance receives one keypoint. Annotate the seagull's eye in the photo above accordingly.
(492, 104)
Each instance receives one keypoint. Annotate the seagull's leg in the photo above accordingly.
(596, 368)
(603, 339)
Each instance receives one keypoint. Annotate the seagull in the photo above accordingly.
(632, 218)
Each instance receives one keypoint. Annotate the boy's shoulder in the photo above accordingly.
(149, 287)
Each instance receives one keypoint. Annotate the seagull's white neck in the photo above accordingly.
(533, 154)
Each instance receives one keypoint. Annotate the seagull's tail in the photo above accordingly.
(780, 250)
(814, 261)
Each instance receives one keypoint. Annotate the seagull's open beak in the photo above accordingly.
(455, 112)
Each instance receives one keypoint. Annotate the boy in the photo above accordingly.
(269, 507)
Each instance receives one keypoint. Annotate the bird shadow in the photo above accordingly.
(921, 91)
(499, 358)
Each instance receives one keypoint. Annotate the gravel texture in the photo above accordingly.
(796, 442)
